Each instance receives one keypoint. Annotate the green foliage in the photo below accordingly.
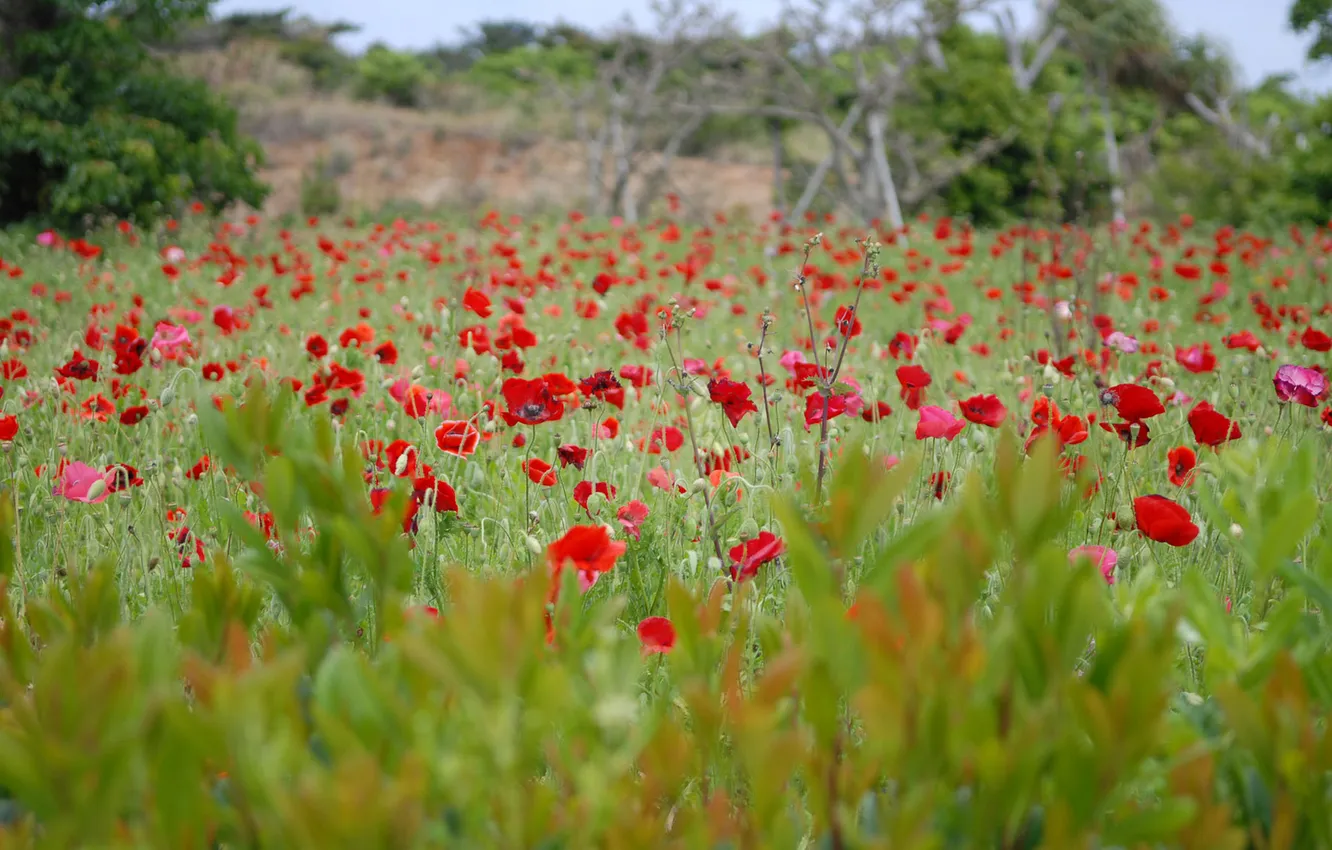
(1315, 16)
(92, 127)
(391, 75)
(319, 190)
(909, 720)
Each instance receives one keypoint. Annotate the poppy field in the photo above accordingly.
(567, 533)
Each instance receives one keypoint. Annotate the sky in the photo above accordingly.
(1254, 31)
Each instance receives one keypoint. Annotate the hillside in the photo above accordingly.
(440, 156)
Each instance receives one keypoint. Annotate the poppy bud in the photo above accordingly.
(1124, 518)
(1236, 530)
(96, 490)
(192, 420)
(1167, 384)
(533, 545)
(1051, 374)
(597, 501)
(400, 468)
(748, 529)
(476, 477)
(698, 485)
(156, 355)
(391, 424)
(168, 396)
(744, 438)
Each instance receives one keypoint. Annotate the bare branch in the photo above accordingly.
(1220, 117)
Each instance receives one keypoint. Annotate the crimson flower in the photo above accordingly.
(733, 396)
(985, 410)
(531, 402)
(605, 386)
(848, 324)
(1134, 434)
(816, 409)
(540, 472)
(657, 635)
(457, 437)
(1196, 358)
(133, 415)
(1134, 402)
(429, 490)
(914, 380)
(1211, 428)
(588, 549)
(8, 428)
(1164, 521)
(1181, 461)
(1315, 340)
(571, 455)
(583, 490)
(876, 412)
(747, 557)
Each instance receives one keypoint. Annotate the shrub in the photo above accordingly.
(319, 190)
(390, 75)
(913, 719)
(92, 127)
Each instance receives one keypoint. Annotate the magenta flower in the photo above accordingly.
(1122, 342)
(80, 482)
(1300, 384)
(1102, 556)
(936, 422)
(167, 338)
(631, 516)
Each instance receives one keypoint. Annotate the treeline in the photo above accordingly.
(1100, 109)
(875, 109)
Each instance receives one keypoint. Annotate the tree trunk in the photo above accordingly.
(879, 156)
(778, 165)
(1111, 150)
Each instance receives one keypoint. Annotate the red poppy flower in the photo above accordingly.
(316, 346)
(817, 408)
(1181, 462)
(13, 370)
(605, 386)
(379, 498)
(1134, 403)
(902, 346)
(213, 372)
(1315, 340)
(1211, 428)
(657, 635)
(913, 380)
(540, 472)
(876, 412)
(477, 302)
(583, 490)
(1243, 339)
(588, 549)
(401, 458)
(133, 415)
(747, 557)
(79, 368)
(122, 476)
(386, 353)
(571, 455)
(8, 428)
(531, 402)
(1134, 434)
(1196, 358)
(848, 324)
(733, 396)
(1164, 521)
(429, 490)
(985, 410)
(457, 437)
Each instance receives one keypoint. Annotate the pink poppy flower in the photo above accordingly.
(168, 338)
(1122, 342)
(631, 516)
(1102, 556)
(1300, 384)
(935, 422)
(789, 360)
(80, 482)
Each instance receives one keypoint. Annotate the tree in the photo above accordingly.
(93, 126)
(1314, 16)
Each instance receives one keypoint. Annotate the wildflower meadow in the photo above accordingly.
(568, 532)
